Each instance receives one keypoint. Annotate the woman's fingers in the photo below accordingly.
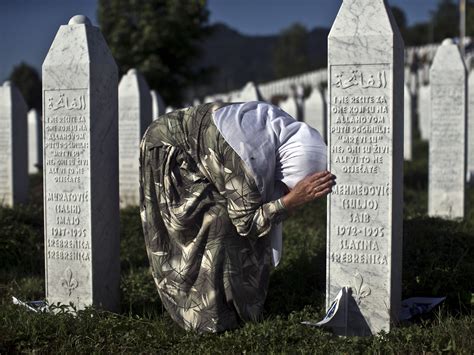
(322, 187)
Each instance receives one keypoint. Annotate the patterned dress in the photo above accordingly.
(205, 225)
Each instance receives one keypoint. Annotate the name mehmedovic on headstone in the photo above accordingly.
(80, 131)
(447, 161)
(365, 69)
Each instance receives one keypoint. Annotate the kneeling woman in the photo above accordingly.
(216, 181)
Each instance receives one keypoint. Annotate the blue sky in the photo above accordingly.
(27, 27)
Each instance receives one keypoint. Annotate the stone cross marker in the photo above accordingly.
(135, 115)
(13, 148)
(80, 132)
(470, 130)
(365, 216)
(35, 141)
(408, 125)
(158, 105)
(447, 160)
(315, 112)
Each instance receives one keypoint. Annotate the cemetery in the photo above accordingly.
(384, 263)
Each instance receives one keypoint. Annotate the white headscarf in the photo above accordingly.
(274, 146)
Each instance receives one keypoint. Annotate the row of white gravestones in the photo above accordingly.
(365, 70)
(135, 115)
(447, 154)
(35, 144)
(80, 141)
(13, 150)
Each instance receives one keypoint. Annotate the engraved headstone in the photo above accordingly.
(315, 112)
(35, 142)
(135, 115)
(470, 130)
(80, 136)
(365, 215)
(447, 160)
(424, 111)
(408, 126)
(158, 105)
(13, 149)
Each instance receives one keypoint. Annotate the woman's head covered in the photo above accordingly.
(302, 152)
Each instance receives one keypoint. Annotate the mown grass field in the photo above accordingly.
(438, 260)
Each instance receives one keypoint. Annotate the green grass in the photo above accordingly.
(438, 260)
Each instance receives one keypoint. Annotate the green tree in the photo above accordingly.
(158, 37)
(291, 52)
(27, 80)
(446, 20)
(470, 18)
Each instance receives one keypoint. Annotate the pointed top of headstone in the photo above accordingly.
(79, 20)
(447, 41)
(363, 18)
(132, 71)
(448, 57)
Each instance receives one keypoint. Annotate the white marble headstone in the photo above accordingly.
(290, 106)
(35, 142)
(424, 111)
(315, 112)
(158, 105)
(365, 214)
(80, 142)
(408, 126)
(250, 92)
(135, 115)
(470, 130)
(447, 160)
(13, 146)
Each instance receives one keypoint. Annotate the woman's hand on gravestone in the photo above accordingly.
(310, 188)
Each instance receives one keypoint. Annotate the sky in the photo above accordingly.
(28, 27)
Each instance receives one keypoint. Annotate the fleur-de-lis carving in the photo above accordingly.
(360, 290)
(68, 282)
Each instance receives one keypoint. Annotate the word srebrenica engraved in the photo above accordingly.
(360, 150)
(67, 167)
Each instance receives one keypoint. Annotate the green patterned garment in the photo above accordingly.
(206, 227)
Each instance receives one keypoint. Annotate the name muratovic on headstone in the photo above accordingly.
(35, 141)
(80, 131)
(13, 149)
(447, 161)
(365, 64)
(135, 115)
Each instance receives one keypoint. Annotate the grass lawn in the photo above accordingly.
(438, 260)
